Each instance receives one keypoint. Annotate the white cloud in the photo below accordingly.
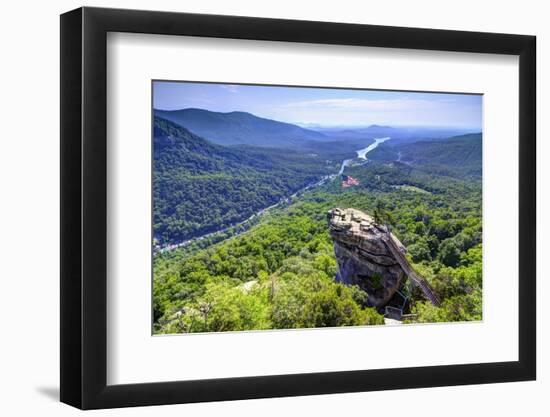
(368, 105)
(230, 87)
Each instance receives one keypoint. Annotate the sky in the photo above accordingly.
(324, 106)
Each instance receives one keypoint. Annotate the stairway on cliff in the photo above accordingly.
(365, 249)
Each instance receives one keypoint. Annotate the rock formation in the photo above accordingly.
(371, 257)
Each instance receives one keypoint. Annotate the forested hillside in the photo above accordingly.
(280, 273)
(200, 187)
(458, 155)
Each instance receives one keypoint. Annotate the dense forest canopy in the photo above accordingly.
(279, 272)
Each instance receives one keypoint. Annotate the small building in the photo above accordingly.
(349, 181)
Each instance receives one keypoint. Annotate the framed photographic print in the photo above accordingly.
(257, 207)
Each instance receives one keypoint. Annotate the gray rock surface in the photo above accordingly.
(370, 256)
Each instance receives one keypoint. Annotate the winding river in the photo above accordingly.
(361, 154)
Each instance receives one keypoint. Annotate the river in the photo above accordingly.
(361, 154)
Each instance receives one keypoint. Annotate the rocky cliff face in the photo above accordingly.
(364, 256)
(371, 257)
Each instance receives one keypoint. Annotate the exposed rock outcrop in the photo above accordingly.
(370, 256)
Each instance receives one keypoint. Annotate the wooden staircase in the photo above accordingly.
(390, 243)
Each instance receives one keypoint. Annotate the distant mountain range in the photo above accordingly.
(402, 133)
(236, 128)
(351, 134)
(241, 128)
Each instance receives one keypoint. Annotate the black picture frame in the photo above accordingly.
(84, 207)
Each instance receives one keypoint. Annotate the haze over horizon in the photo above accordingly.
(325, 107)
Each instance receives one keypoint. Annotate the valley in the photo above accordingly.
(243, 225)
(241, 229)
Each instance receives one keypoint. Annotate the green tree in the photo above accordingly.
(449, 252)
